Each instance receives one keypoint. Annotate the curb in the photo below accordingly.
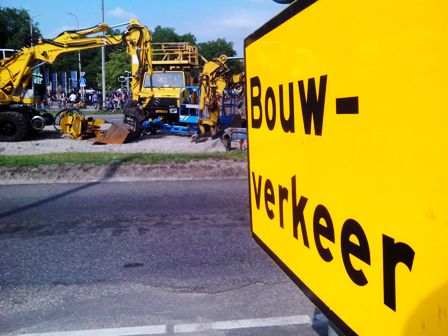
(117, 172)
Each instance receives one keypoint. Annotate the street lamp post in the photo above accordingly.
(31, 44)
(79, 57)
(103, 62)
(31, 28)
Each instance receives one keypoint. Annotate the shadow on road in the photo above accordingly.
(111, 171)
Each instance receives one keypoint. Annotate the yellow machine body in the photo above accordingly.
(214, 80)
(80, 127)
(16, 71)
(173, 63)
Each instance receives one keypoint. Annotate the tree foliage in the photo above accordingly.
(218, 47)
(90, 62)
(15, 28)
(215, 48)
(168, 34)
(115, 67)
(15, 33)
(91, 65)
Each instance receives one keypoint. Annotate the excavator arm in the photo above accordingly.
(138, 46)
(214, 79)
(16, 71)
(18, 120)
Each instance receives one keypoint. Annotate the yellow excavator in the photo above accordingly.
(216, 80)
(21, 81)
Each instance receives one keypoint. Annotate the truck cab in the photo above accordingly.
(173, 64)
(169, 92)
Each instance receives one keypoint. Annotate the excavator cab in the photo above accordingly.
(36, 88)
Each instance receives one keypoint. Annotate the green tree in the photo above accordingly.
(118, 63)
(65, 62)
(168, 34)
(90, 63)
(188, 37)
(215, 48)
(15, 28)
(218, 47)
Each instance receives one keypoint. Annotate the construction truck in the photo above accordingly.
(215, 103)
(21, 79)
(173, 64)
(171, 85)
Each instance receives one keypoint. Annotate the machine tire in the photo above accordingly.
(14, 126)
(57, 118)
(134, 134)
(49, 119)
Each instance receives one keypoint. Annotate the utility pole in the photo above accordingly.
(31, 31)
(31, 28)
(79, 58)
(31, 44)
(103, 61)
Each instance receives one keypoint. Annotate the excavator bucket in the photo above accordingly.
(116, 134)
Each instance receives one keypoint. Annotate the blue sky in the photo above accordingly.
(206, 19)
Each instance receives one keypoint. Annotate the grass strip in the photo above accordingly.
(115, 158)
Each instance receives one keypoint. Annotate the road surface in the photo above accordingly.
(162, 258)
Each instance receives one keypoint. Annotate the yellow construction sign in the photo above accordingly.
(348, 158)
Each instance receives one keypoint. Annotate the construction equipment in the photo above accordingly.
(173, 63)
(80, 127)
(70, 121)
(216, 104)
(216, 82)
(232, 134)
(21, 79)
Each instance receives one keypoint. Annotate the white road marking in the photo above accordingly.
(134, 331)
(237, 324)
(186, 327)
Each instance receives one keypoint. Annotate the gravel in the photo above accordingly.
(50, 141)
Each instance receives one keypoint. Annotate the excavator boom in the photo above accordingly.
(214, 80)
(16, 72)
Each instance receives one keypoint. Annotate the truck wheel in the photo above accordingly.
(14, 126)
(49, 119)
(228, 145)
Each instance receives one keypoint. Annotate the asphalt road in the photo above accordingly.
(114, 118)
(167, 257)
